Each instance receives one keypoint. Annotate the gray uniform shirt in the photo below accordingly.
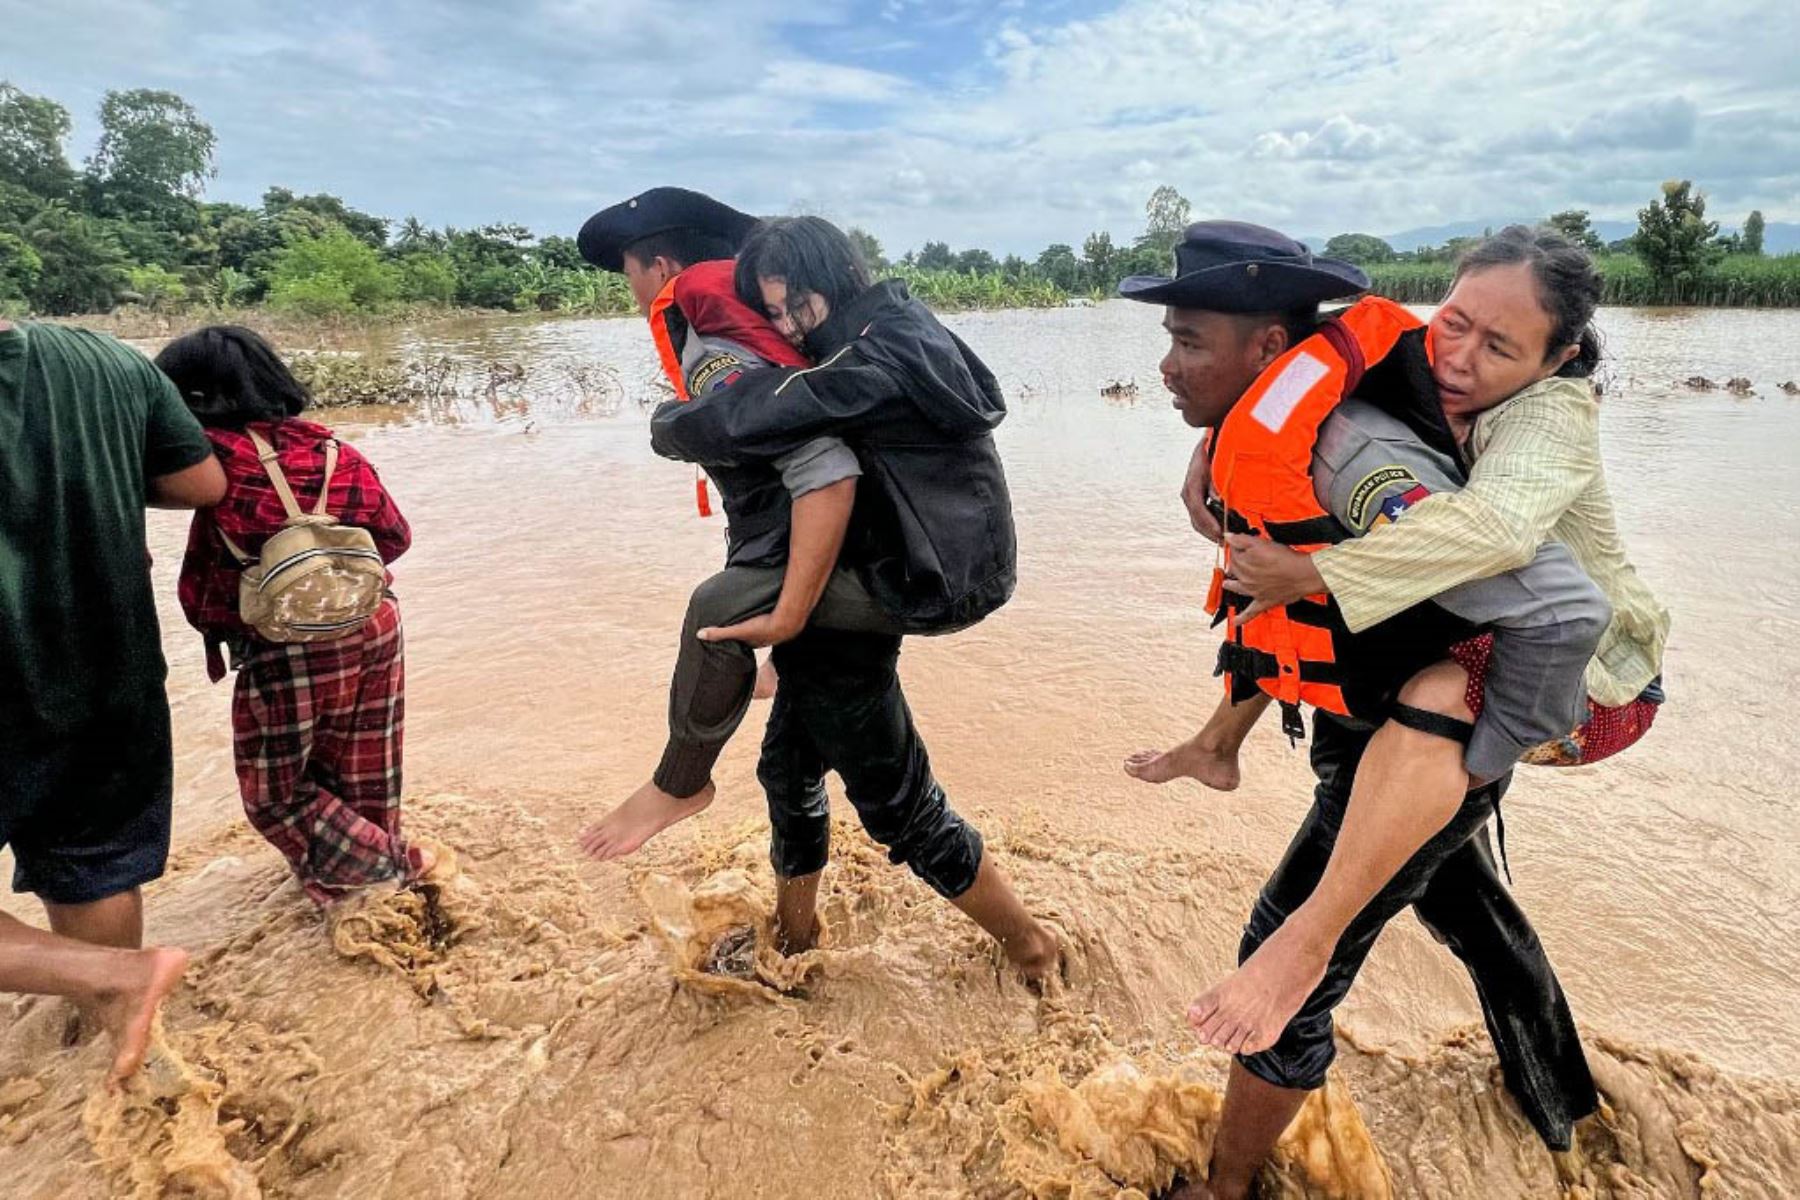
(711, 363)
(1546, 617)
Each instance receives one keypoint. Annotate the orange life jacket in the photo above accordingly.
(1262, 473)
(662, 332)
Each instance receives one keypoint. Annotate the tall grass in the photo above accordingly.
(1739, 281)
(967, 289)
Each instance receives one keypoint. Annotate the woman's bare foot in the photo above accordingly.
(1246, 1012)
(648, 812)
(128, 1009)
(1193, 759)
(766, 679)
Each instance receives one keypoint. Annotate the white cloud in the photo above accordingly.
(1003, 126)
(1340, 137)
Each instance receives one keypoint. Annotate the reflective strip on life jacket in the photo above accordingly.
(664, 338)
(1262, 472)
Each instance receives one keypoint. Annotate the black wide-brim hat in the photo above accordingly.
(1236, 267)
(605, 235)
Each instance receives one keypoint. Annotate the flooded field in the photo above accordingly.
(536, 1026)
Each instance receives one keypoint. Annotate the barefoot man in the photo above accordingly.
(91, 431)
(1240, 297)
(789, 503)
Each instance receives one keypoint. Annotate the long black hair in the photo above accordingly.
(1569, 287)
(809, 254)
(229, 376)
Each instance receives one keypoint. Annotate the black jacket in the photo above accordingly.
(932, 530)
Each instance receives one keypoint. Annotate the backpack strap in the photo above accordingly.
(331, 458)
(237, 551)
(266, 454)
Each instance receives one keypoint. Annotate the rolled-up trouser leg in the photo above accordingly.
(1522, 1001)
(713, 681)
(847, 693)
(793, 778)
(1306, 1048)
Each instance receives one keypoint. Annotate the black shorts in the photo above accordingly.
(87, 814)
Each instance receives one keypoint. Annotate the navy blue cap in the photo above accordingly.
(1236, 267)
(606, 234)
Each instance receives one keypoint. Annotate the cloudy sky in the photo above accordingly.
(1007, 124)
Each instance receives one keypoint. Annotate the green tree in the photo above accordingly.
(1674, 237)
(1753, 232)
(336, 273)
(1363, 249)
(1099, 257)
(561, 253)
(866, 243)
(488, 263)
(977, 262)
(1165, 217)
(83, 267)
(1573, 224)
(415, 235)
(155, 287)
(32, 130)
(935, 256)
(1059, 265)
(426, 278)
(20, 268)
(153, 147)
(370, 229)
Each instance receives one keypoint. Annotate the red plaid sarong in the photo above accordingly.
(1604, 733)
(317, 731)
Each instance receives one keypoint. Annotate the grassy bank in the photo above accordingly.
(1737, 281)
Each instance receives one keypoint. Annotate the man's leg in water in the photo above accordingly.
(1409, 784)
(1210, 756)
(1528, 1018)
(122, 987)
(709, 695)
(116, 920)
(1299, 1058)
(847, 691)
(792, 774)
(1256, 1114)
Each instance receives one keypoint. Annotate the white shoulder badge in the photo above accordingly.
(1286, 391)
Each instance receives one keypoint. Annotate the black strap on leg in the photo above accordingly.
(1433, 723)
(1438, 725)
(1500, 836)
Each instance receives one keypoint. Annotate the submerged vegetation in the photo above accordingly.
(131, 234)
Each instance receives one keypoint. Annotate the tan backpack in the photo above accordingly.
(315, 580)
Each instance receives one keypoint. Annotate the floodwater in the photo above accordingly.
(541, 1027)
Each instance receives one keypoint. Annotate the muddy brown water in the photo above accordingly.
(559, 1043)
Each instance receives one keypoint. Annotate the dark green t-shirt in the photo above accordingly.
(84, 423)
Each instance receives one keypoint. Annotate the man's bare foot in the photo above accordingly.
(1037, 954)
(766, 679)
(648, 812)
(128, 1008)
(797, 940)
(1215, 768)
(1247, 1011)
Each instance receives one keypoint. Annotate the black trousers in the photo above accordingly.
(709, 691)
(840, 708)
(1452, 885)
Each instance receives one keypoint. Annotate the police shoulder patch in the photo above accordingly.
(1391, 482)
(714, 372)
